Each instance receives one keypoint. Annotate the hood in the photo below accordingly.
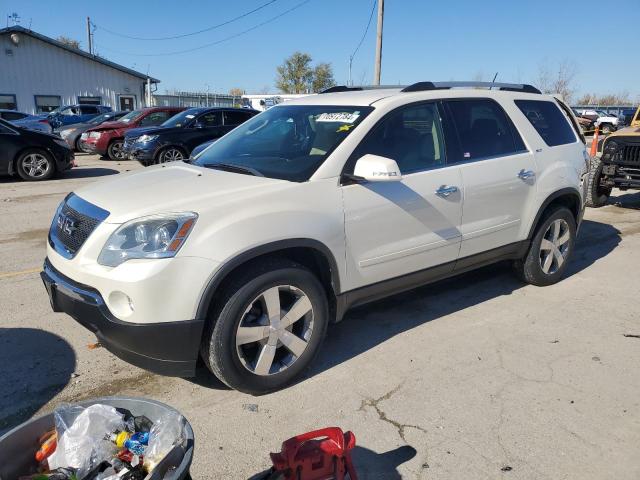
(112, 125)
(74, 126)
(174, 188)
(136, 132)
(632, 131)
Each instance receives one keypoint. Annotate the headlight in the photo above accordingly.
(611, 147)
(156, 236)
(147, 138)
(95, 135)
(65, 133)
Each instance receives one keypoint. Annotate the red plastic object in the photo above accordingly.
(319, 455)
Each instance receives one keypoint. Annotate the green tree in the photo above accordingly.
(322, 77)
(69, 42)
(295, 74)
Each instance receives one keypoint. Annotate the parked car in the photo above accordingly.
(107, 139)
(71, 133)
(177, 137)
(627, 115)
(200, 148)
(25, 120)
(243, 257)
(31, 154)
(74, 114)
(585, 123)
(607, 122)
(618, 166)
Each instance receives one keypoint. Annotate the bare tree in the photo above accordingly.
(559, 80)
(69, 42)
(236, 92)
(621, 98)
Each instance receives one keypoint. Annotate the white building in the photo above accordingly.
(39, 74)
(265, 101)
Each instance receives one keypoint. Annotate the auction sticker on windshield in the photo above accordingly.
(342, 117)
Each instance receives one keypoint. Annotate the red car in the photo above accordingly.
(108, 138)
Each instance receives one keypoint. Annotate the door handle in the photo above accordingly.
(526, 174)
(446, 190)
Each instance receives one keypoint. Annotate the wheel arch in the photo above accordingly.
(13, 164)
(311, 253)
(178, 146)
(567, 197)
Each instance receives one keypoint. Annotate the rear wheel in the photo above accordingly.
(597, 195)
(35, 164)
(550, 250)
(171, 154)
(606, 128)
(267, 327)
(116, 150)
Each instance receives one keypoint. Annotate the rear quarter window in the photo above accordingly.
(548, 120)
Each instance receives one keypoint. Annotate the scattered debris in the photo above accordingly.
(631, 335)
(555, 341)
(506, 468)
(251, 407)
(425, 465)
(595, 359)
(93, 346)
(572, 402)
(75, 375)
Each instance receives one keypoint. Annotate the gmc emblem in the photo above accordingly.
(67, 224)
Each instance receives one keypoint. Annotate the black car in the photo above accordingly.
(178, 136)
(72, 133)
(32, 155)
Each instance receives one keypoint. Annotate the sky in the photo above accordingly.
(423, 40)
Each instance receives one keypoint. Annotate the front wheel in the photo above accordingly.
(267, 327)
(170, 154)
(550, 250)
(35, 164)
(116, 150)
(597, 195)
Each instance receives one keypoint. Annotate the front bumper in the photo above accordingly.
(64, 159)
(167, 348)
(143, 153)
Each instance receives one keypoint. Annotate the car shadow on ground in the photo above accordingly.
(35, 365)
(79, 172)
(626, 200)
(367, 326)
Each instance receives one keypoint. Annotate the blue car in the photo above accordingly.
(74, 114)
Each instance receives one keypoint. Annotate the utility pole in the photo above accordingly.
(378, 65)
(89, 35)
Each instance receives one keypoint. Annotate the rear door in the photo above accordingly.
(498, 174)
(207, 126)
(233, 118)
(10, 144)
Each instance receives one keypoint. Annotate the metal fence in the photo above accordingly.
(197, 99)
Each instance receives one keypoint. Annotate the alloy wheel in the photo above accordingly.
(36, 165)
(171, 155)
(274, 330)
(117, 150)
(554, 247)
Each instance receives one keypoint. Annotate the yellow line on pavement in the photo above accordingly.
(22, 272)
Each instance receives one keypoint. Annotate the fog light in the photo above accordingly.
(120, 304)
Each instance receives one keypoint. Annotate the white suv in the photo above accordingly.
(244, 255)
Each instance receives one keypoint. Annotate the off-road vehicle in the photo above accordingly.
(245, 254)
(618, 166)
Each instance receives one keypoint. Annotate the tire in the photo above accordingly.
(550, 250)
(597, 196)
(170, 154)
(35, 165)
(263, 363)
(606, 128)
(114, 152)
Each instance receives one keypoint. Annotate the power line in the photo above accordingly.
(366, 30)
(208, 29)
(217, 42)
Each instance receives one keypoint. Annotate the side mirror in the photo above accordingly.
(374, 168)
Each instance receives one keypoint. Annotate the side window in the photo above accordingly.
(155, 118)
(70, 111)
(13, 115)
(88, 110)
(548, 121)
(211, 119)
(235, 118)
(412, 136)
(484, 130)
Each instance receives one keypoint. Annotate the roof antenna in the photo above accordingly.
(494, 80)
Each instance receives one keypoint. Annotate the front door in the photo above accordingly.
(396, 228)
(205, 127)
(127, 102)
(498, 173)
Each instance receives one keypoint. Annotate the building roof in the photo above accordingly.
(82, 53)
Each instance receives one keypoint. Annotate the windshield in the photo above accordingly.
(287, 142)
(181, 119)
(130, 116)
(100, 118)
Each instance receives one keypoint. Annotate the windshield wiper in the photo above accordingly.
(230, 167)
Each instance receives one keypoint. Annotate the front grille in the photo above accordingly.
(75, 220)
(631, 154)
(129, 141)
(73, 228)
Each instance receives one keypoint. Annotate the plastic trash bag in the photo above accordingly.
(167, 432)
(82, 436)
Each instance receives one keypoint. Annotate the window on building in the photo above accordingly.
(90, 100)
(47, 103)
(236, 118)
(483, 129)
(548, 120)
(412, 136)
(8, 102)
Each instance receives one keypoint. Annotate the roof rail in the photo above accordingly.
(344, 88)
(510, 87)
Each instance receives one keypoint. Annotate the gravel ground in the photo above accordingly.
(475, 377)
